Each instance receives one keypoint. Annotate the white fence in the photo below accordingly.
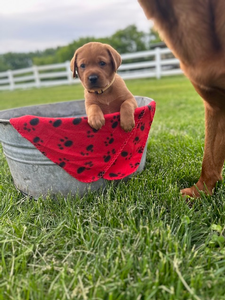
(154, 63)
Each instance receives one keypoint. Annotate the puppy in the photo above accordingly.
(105, 91)
(195, 32)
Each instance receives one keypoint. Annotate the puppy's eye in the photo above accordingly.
(82, 66)
(102, 63)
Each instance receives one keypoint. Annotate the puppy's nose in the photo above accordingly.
(93, 78)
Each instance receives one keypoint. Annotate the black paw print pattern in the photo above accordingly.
(140, 149)
(116, 175)
(115, 121)
(62, 162)
(87, 166)
(37, 141)
(89, 150)
(65, 142)
(91, 133)
(141, 126)
(101, 174)
(107, 157)
(56, 123)
(136, 140)
(31, 125)
(126, 155)
(109, 140)
(135, 165)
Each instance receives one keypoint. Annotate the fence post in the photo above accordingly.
(36, 77)
(11, 81)
(69, 72)
(158, 63)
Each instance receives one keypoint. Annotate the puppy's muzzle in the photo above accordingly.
(93, 78)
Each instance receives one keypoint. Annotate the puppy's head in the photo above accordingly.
(95, 64)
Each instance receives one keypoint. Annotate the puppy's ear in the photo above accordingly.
(115, 57)
(73, 65)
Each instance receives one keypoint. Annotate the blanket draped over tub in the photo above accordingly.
(85, 153)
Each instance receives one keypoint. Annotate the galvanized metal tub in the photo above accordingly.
(33, 173)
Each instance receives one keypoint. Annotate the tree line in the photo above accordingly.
(126, 40)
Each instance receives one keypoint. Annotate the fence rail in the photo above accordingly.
(154, 63)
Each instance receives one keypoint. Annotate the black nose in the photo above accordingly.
(93, 78)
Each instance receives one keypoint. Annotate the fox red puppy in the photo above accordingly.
(105, 91)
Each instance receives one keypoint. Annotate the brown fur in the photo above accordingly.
(102, 61)
(195, 32)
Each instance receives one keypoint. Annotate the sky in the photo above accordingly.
(31, 25)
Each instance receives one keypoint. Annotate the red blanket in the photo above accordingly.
(85, 153)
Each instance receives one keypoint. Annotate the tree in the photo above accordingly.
(3, 64)
(46, 57)
(129, 39)
(15, 61)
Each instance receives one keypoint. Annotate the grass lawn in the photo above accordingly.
(136, 241)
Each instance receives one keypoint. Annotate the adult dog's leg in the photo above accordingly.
(194, 30)
(214, 151)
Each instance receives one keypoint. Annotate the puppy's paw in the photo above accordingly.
(96, 122)
(127, 125)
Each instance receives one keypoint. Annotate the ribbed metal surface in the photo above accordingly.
(33, 173)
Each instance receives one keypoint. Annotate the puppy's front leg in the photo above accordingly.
(95, 116)
(127, 108)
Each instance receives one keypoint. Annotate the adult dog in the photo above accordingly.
(195, 31)
(105, 91)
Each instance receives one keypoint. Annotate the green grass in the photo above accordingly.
(135, 241)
